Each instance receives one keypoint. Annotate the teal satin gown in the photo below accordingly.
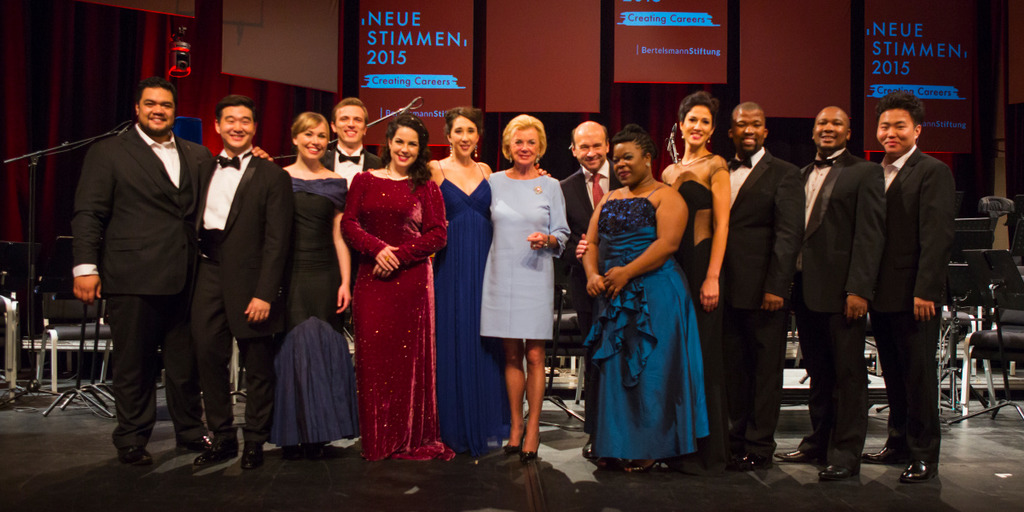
(646, 348)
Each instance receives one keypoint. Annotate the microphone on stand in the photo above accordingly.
(412, 105)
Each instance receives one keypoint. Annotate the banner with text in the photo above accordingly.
(925, 47)
(410, 49)
(671, 41)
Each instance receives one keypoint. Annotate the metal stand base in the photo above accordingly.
(91, 394)
(994, 409)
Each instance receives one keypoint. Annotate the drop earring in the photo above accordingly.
(476, 152)
(451, 150)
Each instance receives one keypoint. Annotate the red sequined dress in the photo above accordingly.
(394, 316)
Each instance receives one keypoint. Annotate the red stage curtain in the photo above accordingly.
(77, 79)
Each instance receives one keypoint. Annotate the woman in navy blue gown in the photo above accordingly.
(315, 396)
(651, 372)
(471, 402)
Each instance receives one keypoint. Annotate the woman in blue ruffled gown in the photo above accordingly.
(315, 396)
(472, 406)
(645, 340)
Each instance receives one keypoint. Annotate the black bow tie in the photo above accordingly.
(235, 162)
(821, 164)
(342, 157)
(736, 163)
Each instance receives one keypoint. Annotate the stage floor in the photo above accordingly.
(65, 462)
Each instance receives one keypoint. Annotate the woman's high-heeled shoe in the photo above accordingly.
(527, 457)
(638, 466)
(512, 450)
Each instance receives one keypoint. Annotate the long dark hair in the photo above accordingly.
(419, 171)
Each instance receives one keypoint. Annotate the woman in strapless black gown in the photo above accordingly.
(702, 178)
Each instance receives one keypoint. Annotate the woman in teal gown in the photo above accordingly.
(645, 340)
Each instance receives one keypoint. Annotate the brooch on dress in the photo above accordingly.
(537, 190)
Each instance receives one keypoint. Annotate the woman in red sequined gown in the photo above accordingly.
(394, 218)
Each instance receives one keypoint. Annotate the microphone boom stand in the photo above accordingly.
(30, 281)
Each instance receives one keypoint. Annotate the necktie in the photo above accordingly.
(596, 189)
(736, 163)
(828, 162)
(342, 158)
(226, 162)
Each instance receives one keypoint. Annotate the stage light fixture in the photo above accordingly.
(181, 61)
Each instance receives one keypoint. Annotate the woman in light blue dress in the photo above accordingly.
(646, 345)
(528, 214)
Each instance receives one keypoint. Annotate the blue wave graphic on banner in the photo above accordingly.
(925, 92)
(667, 19)
(402, 81)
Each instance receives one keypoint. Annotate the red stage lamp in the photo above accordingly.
(181, 62)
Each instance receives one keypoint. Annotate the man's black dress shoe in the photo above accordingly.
(833, 472)
(919, 471)
(797, 456)
(886, 456)
(134, 455)
(252, 455)
(588, 450)
(196, 445)
(219, 452)
(752, 461)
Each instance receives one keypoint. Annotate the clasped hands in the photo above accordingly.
(609, 284)
(386, 262)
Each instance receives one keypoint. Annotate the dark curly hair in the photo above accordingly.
(699, 98)
(472, 113)
(901, 100)
(634, 133)
(419, 172)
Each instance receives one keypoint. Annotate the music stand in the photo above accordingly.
(994, 271)
(57, 282)
(971, 233)
(962, 292)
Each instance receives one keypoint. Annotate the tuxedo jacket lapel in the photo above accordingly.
(236, 202)
(821, 202)
(751, 181)
(152, 167)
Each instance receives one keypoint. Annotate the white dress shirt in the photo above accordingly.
(167, 152)
(893, 169)
(738, 176)
(348, 170)
(223, 185)
(604, 172)
(815, 180)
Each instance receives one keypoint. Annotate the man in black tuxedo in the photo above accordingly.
(134, 242)
(919, 200)
(583, 190)
(348, 157)
(246, 207)
(766, 224)
(844, 235)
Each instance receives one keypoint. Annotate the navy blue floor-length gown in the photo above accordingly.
(472, 404)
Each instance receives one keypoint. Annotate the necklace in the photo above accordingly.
(699, 158)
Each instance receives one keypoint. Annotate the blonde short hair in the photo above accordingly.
(305, 121)
(523, 122)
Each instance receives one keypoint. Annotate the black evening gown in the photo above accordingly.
(694, 258)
